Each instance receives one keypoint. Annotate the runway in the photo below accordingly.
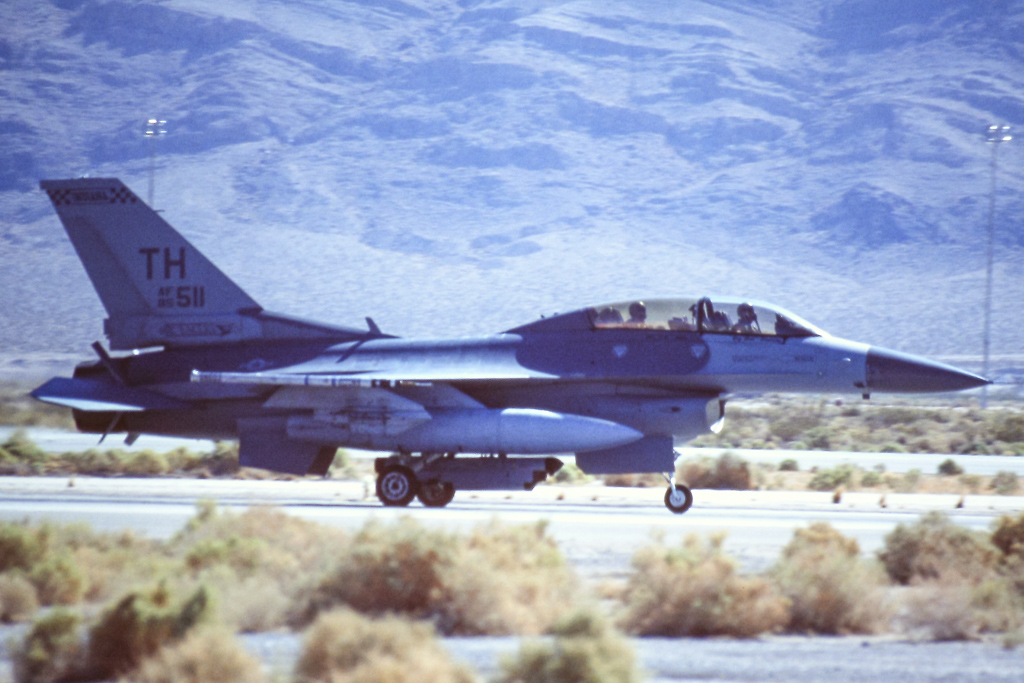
(61, 441)
(598, 528)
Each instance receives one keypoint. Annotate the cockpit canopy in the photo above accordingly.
(721, 315)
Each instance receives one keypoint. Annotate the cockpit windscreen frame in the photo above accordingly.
(703, 315)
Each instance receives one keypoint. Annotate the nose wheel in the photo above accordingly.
(678, 498)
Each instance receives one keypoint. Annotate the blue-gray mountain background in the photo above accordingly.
(464, 167)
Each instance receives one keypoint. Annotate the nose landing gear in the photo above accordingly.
(678, 498)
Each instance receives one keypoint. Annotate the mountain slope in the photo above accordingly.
(465, 167)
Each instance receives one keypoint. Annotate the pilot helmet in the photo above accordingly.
(637, 310)
(745, 311)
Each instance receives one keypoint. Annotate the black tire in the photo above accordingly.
(436, 494)
(396, 486)
(681, 501)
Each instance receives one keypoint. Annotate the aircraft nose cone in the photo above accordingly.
(901, 372)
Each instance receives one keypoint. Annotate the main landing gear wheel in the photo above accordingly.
(396, 486)
(678, 499)
(436, 494)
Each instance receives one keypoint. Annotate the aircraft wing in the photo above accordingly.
(397, 360)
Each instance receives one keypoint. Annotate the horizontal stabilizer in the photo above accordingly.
(97, 396)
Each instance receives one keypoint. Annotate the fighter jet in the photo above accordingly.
(616, 385)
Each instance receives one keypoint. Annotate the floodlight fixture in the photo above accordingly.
(994, 134)
(154, 129)
(998, 134)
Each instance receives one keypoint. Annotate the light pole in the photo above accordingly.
(154, 129)
(993, 135)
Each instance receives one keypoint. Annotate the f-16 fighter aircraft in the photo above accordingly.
(615, 384)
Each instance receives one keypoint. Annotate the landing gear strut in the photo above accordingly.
(678, 498)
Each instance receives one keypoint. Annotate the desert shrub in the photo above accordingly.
(896, 415)
(1005, 483)
(507, 579)
(998, 603)
(391, 568)
(52, 650)
(182, 459)
(726, 472)
(261, 538)
(971, 481)
(789, 465)
(18, 599)
(70, 562)
(498, 580)
(694, 590)
(637, 480)
(830, 588)
(346, 647)
(949, 467)
(909, 481)
(21, 546)
(24, 454)
(206, 512)
(831, 479)
(1008, 534)
(940, 611)
(18, 409)
(58, 580)
(204, 656)
(223, 460)
(262, 602)
(113, 562)
(345, 467)
(144, 463)
(870, 479)
(584, 649)
(1008, 427)
(92, 461)
(570, 473)
(243, 555)
(791, 424)
(957, 609)
(9, 464)
(263, 563)
(140, 623)
(819, 438)
(935, 548)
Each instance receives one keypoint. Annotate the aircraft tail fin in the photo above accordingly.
(157, 288)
